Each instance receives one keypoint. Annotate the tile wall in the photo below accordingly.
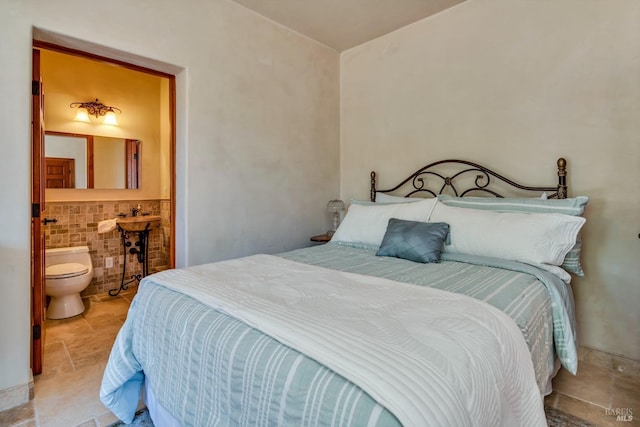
(77, 225)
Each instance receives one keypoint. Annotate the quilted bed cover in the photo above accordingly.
(364, 350)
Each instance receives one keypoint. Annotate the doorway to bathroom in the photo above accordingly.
(143, 100)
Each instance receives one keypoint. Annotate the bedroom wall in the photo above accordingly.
(257, 133)
(516, 84)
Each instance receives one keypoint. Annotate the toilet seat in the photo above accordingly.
(64, 271)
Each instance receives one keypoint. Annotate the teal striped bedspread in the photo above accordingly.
(540, 303)
(206, 368)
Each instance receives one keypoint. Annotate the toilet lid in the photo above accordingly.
(60, 271)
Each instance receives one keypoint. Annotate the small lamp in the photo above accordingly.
(82, 115)
(110, 118)
(335, 207)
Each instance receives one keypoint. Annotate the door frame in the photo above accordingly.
(38, 207)
(37, 156)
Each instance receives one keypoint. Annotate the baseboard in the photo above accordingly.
(32, 387)
(16, 395)
(617, 364)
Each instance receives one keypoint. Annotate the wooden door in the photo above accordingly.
(59, 172)
(37, 213)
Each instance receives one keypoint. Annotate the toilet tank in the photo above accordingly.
(79, 254)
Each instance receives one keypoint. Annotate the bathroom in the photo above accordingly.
(109, 182)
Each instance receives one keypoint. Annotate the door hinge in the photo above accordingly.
(36, 332)
(35, 210)
(35, 87)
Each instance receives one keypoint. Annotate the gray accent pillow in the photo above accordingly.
(413, 240)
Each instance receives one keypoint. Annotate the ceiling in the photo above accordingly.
(343, 24)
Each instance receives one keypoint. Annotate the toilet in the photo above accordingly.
(68, 272)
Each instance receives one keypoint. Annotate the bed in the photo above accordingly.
(409, 316)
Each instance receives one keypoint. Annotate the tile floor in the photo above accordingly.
(77, 349)
(75, 355)
(605, 384)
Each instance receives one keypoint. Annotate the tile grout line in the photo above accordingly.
(36, 415)
(66, 350)
(612, 389)
(571, 396)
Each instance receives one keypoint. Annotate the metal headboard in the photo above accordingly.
(481, 183)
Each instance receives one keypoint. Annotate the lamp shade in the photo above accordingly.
(82, 115)
(110, 118)
(335, 206)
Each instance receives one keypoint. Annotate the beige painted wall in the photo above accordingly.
(257, 132)
(516, 84)
(68, 79)
(109, 168)
(165, 141)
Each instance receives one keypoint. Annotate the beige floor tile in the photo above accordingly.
(18, 415)
(60, 330)
(101, 298)
(587, 412)
(114, 308)
(98, 358)
(594, 357)
(76, 353)
(593, 384)
(626, 366)
(129, 293)
(90, 344)
(70, 399)
(101, 324)
(56, 360)
(106, 419)
(89, 423)
(626, 393)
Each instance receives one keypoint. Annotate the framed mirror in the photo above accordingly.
(91, 161)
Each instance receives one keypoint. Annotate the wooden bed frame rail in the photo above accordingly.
(481, 183)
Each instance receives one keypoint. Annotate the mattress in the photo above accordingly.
(182, 348)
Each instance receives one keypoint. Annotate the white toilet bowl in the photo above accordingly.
(68, 272)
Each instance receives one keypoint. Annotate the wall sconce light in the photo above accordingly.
(95, 108)
(335, 207)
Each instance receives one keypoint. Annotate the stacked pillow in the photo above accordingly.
(540, 239)
(385, 198)
(541, 232)
(366, 224)
(572, 206)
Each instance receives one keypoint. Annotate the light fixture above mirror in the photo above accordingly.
(98, 109)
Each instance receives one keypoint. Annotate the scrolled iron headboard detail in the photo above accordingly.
(481, 183)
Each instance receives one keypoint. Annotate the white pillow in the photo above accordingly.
(385, 198)
(541, 239)
(366, 224)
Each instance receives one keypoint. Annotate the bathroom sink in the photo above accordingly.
(139, 223)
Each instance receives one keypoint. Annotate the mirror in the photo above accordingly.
(89, 161)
